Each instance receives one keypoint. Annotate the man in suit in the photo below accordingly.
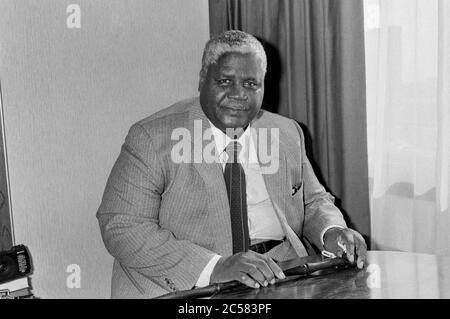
(195, 197)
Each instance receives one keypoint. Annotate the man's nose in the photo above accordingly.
(237, 92)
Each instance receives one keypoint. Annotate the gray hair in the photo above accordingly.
(230, 41)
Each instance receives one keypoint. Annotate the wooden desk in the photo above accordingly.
(387, 275)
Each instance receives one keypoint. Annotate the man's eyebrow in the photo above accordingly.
(226, 73)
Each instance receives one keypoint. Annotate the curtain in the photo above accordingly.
(316, 75)
(408, 116)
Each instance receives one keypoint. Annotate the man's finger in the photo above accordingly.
(264, 269)
(360, 238)
(361, 253)
(360, 262)
(254, 272)
(349, 245)
(248, 281)
(342, 247)
(361, 250)
(275, 268)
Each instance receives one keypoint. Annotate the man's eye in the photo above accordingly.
(251, 84)
(223, 81)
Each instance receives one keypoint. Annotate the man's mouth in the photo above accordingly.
(235, 107)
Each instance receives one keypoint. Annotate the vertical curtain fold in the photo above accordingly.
(443, 147)
(316, 75)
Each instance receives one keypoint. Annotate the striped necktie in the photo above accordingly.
(237, 197)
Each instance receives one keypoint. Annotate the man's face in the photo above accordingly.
(233, 90)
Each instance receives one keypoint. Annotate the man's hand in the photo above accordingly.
(250, 268)
(346, 242)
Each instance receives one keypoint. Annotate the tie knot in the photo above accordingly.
(233, 150)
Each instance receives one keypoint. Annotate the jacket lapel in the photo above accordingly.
(277, 183)
(212, 174)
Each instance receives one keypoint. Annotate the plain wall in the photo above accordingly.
(69, 97)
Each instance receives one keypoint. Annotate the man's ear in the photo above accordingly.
(201, 82)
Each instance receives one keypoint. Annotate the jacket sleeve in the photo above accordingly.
(320, 211)
(129, 219)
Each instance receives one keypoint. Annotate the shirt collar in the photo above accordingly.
(222, 140)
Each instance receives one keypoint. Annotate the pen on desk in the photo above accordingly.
(342, 246)
(328, 254)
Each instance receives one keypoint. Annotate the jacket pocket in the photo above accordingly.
(297, 189)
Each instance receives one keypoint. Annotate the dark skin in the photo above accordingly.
(231, 96)
(233, 91)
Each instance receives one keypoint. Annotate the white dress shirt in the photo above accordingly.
(263, 223)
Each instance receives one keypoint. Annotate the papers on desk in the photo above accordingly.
(18, 288)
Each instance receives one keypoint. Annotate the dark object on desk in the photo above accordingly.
(301, 267)
(17, 289)
(386, 275)
(15, 263)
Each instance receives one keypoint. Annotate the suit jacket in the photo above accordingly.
(163, 221)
